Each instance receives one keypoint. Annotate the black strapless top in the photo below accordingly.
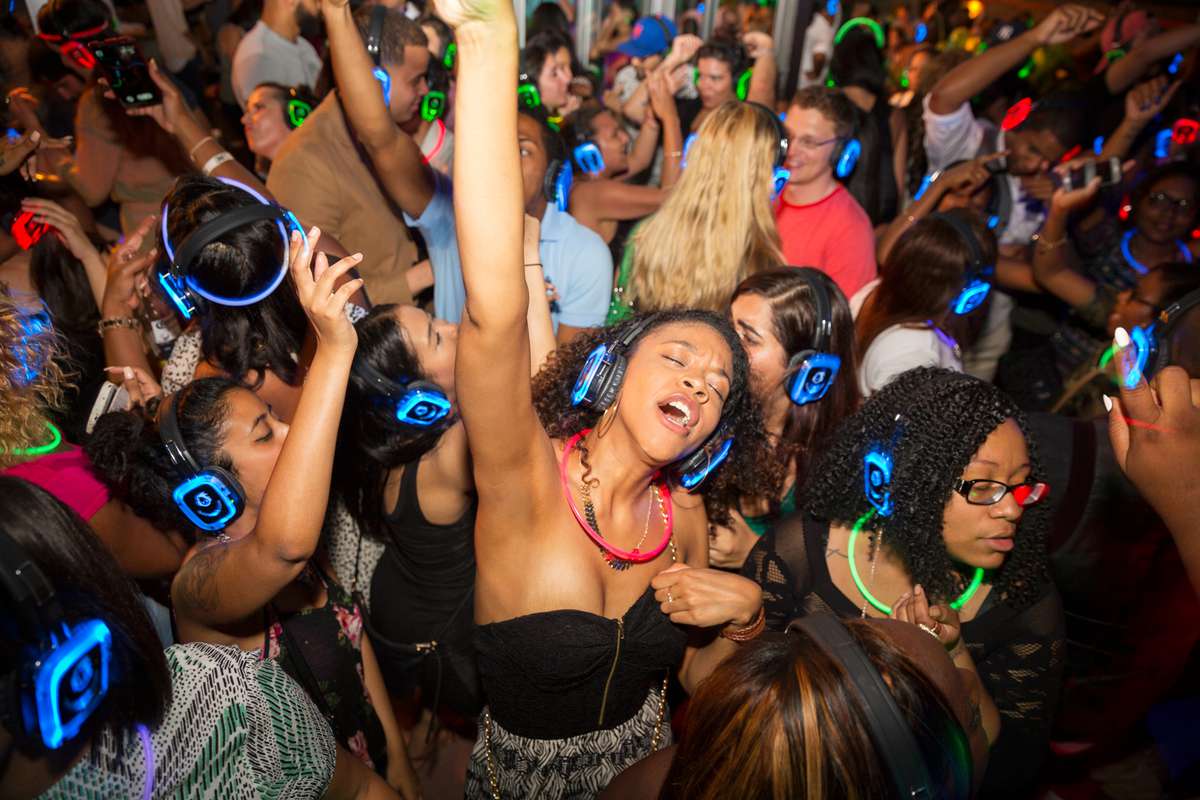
(564, 673)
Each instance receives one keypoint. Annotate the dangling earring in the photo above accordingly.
(606, 420)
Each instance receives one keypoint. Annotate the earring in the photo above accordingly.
(606, 420)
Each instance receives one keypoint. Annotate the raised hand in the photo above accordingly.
(14, 154)
(173, 112)
(683, 49)
(1066, 23)
(706, 597)
(970, 175)
(757, 44)
(324, 305)
(1147, 100)
(126, 271)
(63, 221)
(457, 13)
(662, 99)
(138, 384)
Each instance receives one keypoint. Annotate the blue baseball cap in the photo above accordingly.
(651, 36)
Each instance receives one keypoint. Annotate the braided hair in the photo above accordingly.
(933, 421)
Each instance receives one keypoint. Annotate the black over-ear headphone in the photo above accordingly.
(421, 404)
(814, 369)
(600, 381)
(211, 497)
(375, 50)
(893, 737)
(667, 35)
(1158, 339)
(976, 286)
(62, 671)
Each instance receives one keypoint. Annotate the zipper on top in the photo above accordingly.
(611, 671)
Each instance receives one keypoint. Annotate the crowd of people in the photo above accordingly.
(391, 408)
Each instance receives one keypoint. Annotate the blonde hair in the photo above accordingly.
(30, 382)
(717, 226)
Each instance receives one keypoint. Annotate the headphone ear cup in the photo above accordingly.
(423, 405)
(743, 84)
(795, 367)
(550, 180)
(693, 470)
(847, 158)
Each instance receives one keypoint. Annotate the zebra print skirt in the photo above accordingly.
(575, 768)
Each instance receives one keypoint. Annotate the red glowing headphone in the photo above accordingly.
(72, 45)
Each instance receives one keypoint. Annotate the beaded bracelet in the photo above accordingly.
(109, 323)
(748, 632)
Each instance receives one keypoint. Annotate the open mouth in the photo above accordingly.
(678, 413)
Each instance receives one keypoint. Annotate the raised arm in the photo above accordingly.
(683, 48)
(396, 156)
(226, 582)
(493, 336)
(761, 48)
(1052, 255)
(1124, 72)
(1142, 103)
(975, 74)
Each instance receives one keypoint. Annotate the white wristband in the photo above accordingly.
(211, 165)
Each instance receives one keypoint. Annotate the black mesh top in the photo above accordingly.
(1019, 652)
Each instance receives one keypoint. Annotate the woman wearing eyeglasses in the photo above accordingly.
(1114, 278)
(924, 509)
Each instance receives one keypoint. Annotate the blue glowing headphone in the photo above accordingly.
(877, 481)
(211, 497)
(63, 672)
(374, 44)
(815, 369)
(557, 182)
(845, 155)
(977, 287)
(421, 404)
(600, 381)
(1152, 344)
(183, 290)
(779, 173)
(586, 153)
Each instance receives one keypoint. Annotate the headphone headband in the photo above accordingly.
(977, 267)
(375, 34)
(781, 133)
(824, 305)
(892, 735)
(32, 596)
(373, 376)
(667, 35)
(1168, 321)
(217, 227)
(172, 437)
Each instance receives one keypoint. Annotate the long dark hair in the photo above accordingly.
(88, 584)
(371, 442)
(750, 470)
(794, 317)
(127, 452)
(780, 719)
(933, 421)
(239, 339)
(923, 273)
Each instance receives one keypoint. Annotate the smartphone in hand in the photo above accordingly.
(121, 62)
(1109, 173)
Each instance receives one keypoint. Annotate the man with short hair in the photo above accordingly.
(277, 50)
(820, 223)
(320, 174)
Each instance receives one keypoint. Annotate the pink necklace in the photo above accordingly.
(610, 552)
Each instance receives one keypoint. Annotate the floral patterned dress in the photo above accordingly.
(321, 648)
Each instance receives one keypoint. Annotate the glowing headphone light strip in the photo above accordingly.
(872, 25)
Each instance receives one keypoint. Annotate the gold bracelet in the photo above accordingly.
(1041, 244)
(748, 632)
(199, 144)
(132, 323)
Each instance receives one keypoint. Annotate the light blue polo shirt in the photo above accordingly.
(574, 258)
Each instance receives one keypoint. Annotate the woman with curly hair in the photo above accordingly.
(591, 557)
(782, 316)
(933, 451)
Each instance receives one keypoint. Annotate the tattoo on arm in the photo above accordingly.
(976, 717)
(198, 581)
(833, 551)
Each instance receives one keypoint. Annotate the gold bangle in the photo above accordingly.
(107, 324)
(748, 632)
(1041, 244)
(199, 144)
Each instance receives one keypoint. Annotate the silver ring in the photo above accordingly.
(670, 599)
(931, 631)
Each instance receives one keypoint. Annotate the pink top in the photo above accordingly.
(68, 476)
(834, 235)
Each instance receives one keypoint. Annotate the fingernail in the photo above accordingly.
(1121, 338)
(1107, 402)
(295, 236)
(357, 256)
(313, 231)
(917, 589)
(128, 373)
(36, 136)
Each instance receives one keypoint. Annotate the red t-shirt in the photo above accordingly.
(834, 235)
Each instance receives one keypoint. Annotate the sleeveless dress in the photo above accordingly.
(321, 649)
(574, 698)
(422, 600)
(237, 727)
